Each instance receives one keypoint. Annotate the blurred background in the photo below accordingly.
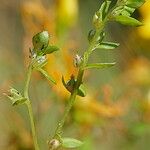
(115, 115)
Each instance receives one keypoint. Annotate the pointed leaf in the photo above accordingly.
(99, 65)
(127, 11)
(71, 143)
(46, 75)
(135, 3)
(50, 49)
(126, 20)
(104, 9)
(107, 45)
(63, 81)
(82, 91)
(18, 101)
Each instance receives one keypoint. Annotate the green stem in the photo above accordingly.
(29, 107)
(72, 98)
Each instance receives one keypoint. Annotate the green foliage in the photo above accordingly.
(126, 20)
(135, 3)
(71, 143)
(107, 45)
(99, 65)
(121, 13)
(16, 97)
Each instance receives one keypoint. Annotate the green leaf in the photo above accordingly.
(127, 11)
(82, 91)
(16, 97)
(63, 81)
(50, 49)
(18, 101)
(99, 65)
(104, 9)
(46, 75)
(71, 143)
(135, 3)
(91, 35)
(126, 20)
(107, 45)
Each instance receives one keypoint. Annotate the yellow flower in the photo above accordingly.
(144, 31)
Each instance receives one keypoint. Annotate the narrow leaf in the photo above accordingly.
(126, 20)
(99, 65)
(46, 75)
(19, 101)
(135, 3)
(104, 9)
(108, 45)
(127, 11)
(63, 81)
(71, 143)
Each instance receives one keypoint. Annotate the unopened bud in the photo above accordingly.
(54, 144)
(40, 40)
(77, 60)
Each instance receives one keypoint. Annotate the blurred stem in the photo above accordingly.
(29, 106)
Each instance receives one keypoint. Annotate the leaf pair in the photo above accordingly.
(71, 143)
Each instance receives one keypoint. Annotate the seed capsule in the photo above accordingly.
(40, 40)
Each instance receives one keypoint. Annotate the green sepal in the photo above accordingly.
(50, 49)
(99, 65)
(71, 143)
(47, 76)
(126, 20)
(107, 45)
(135, 3)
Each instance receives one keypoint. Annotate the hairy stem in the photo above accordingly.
(29, 107)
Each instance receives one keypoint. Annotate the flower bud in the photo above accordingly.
(54, 144)
(40, 41)
(77, 60)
